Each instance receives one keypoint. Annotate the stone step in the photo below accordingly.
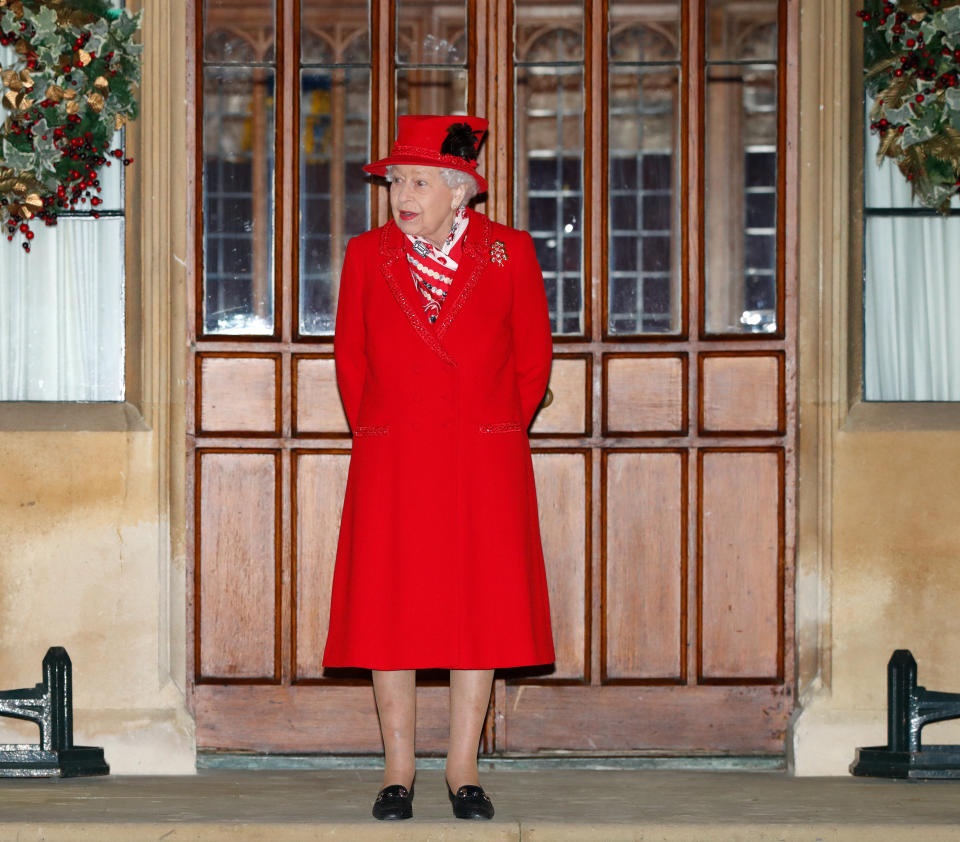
(532, 806)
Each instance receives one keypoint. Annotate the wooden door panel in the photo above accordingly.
(238, 393)
(319, 481)
(237, 573)
(316, 402)
(287, 718)
(563, 480)
(645, 394)
(741, 565)
(571, 388)
(742, 393)
(679, 719)
(644, 565)
(334, 717)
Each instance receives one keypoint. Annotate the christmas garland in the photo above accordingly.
(912, 61)
(70, 89)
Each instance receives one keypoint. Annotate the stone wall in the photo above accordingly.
(91, 498)
(878, 530)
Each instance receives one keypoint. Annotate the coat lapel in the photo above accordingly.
(397, 274)
(476, 246)
(475, 259)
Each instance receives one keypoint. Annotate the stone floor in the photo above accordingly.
(533, 806)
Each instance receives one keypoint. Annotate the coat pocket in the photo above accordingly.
(505, 427)
(371, 430)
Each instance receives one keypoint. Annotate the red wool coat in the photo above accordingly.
(439, 561)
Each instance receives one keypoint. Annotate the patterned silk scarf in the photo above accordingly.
(433, 268)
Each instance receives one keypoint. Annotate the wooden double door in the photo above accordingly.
(645, 148)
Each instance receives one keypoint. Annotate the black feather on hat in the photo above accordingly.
(460, 141)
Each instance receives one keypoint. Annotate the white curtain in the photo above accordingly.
(911, 294)
(62, 313)
(61, 305)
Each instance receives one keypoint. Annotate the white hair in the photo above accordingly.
(453, 179)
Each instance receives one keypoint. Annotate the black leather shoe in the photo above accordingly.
(394, 802)
(471, 802)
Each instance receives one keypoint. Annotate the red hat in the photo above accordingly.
(435, 140)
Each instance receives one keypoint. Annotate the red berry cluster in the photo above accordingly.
(81, 153)
(933, 62)
(78, 188)
(901, 17)
(918, 59)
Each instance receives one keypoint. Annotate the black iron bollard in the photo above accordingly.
(901, 691)
(909, 708)
(50, 705)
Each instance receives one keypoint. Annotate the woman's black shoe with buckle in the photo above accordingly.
(471, 802)
(394, 802)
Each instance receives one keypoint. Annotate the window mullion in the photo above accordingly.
(692, 165)
(286, 182)
(595, 160)
(383, 34)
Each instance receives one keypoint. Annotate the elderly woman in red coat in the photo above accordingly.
(443, 353)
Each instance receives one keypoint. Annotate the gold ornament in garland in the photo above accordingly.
(71, 86)
(912, 67)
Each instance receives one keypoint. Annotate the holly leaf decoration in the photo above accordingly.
(949, 19)
(99, 32)
(15, 158)
(8, 22)
(913, 135)
(124, 26)
(48, 54)
(899, 115)
(923, 128)
(77, 80)
(953, 103)
(47, 155)
(45, 24)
